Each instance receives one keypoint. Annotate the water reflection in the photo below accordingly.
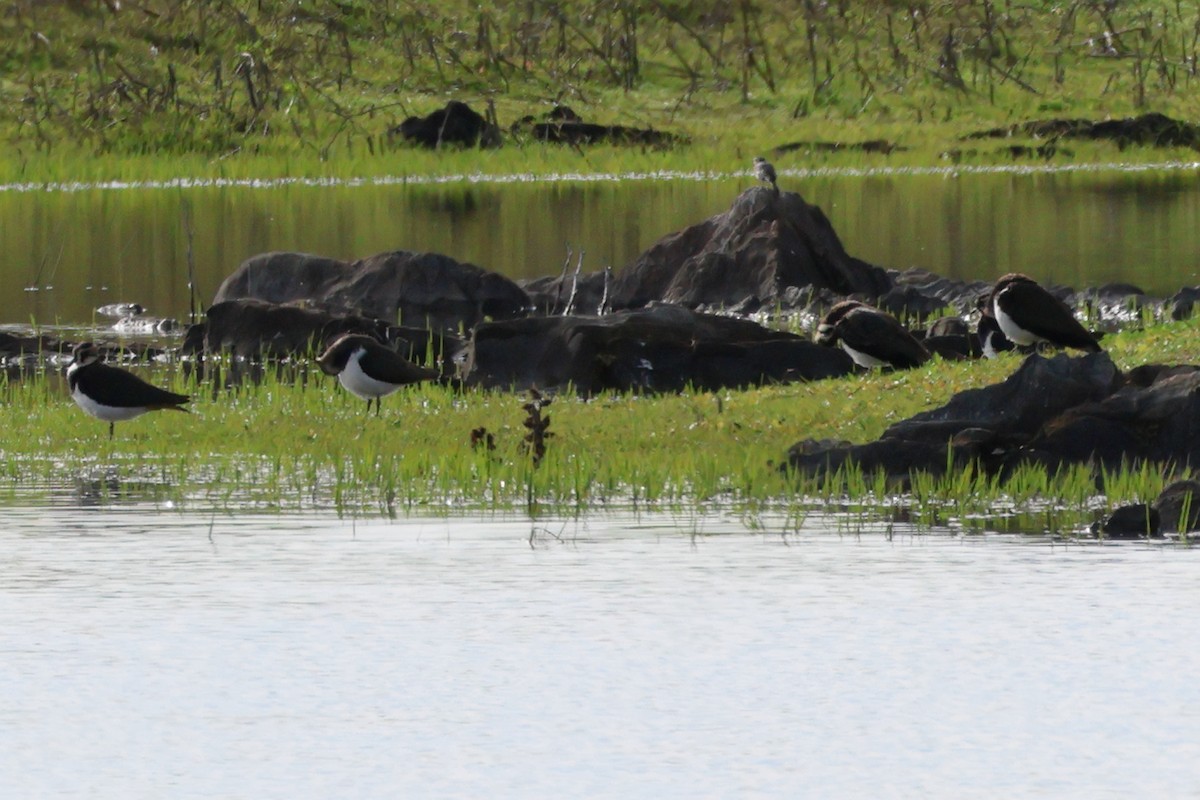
(102, 246)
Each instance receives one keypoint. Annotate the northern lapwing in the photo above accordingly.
(112, 394)
(368, 369)
(1028, 314)
(871, 337)
(765, 172)
(992, 340)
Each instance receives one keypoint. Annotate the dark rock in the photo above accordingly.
(1136, 521)
(564, 126)
(1153, 129)
(420, 289)
(1182, 304)
(255, 329)
(456, 124)
(1040, 389)
(747, 258)
(867, 146)
(565, 294)
(1159, 423)
(948, 326)
(659, 349)
(988, 425)
(1178, 507)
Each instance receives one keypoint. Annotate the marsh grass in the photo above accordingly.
(246, 89)
(301, 443)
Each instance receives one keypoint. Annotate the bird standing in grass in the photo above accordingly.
(765, 172)
(112, 394)
(871, 337)
(1028, 314)
(368, 369)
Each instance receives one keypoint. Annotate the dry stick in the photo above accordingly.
(671, 16)
(574, 284)
(765, 71)
(185, 211)
(603, 307)
(561, 280)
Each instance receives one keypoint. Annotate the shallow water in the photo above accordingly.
(150, 654)
(85, 248)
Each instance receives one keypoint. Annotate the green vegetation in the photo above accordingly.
(312, 87)
(304, 444)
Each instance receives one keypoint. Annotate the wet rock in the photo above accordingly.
(1182, 305)
(568, 294)
(254, 329)
(563, 126)
(1159, 423)
(747, 258)
(1178, 507)
(659, 349)
(1001, 419)
(121, 310)
(417, 289)
(456, 124)
(1135, 521)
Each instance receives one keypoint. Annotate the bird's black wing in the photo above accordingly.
(111, 386)
(391, 367)
(881, 335)
(1044, 315)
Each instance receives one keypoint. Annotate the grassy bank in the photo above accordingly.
(242, 88)
(308, 444)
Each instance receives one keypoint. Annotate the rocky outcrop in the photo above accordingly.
(253, 329)
(1153, 130)
(659, 349)
(999, 426)
(417, 289)
(563, 126)
(456, 124)
(768, 250)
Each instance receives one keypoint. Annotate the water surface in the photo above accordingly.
(151, 654)
(97, 246)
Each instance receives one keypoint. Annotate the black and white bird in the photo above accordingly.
(871, 337)
(112, 394)
(1028, 314)
(368, 369)
(765, 172)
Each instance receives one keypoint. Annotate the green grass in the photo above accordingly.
(307, 445)
(246, 89)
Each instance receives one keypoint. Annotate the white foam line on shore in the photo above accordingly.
(949, 171)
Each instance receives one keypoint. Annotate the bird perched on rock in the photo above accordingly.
(368, 369)
(111, 393)
(765, 172)
(1028, 314)
(871, 337)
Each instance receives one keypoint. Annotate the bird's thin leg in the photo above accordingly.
(378, 402)
(111, 425)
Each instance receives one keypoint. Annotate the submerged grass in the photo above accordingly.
(303, 443)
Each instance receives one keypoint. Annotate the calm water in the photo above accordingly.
(100, 246)
(148, 654)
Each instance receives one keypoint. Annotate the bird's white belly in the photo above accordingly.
(359, 383)
(861, 358)
(1014, 333)
(106, 413)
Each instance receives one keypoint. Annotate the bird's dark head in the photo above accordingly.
(827, 329)
(85, 353)
(1011, 279)
(334, 359)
